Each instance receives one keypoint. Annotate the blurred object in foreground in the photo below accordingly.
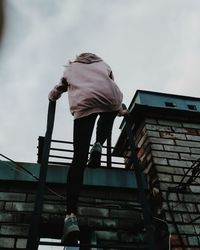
(1, 19)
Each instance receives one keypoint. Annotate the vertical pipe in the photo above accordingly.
(33, 237)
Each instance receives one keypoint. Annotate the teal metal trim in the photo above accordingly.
(12, 172)
(108, 177)
(155, 99)
(163, 100)
(152, 104)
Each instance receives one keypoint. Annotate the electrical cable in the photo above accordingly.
(186, 208)
(15, 169)
(195, 168)
(180, 186)
(191, 179)
(28, 173)
(19, 165)
(195, 173)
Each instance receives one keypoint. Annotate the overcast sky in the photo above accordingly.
(150, 44)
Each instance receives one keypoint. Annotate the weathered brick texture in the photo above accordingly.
(167, 150)
(109, 214)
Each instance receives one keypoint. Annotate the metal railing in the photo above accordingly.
(33, 239)
(43, 157)
(61, 153)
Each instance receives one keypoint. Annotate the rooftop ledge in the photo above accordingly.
(163, 100)
(106, 177)
(154, 104)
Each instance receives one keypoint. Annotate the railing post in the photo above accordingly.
(33, 239)
(109, 157)
(40, 148)
(144, 203)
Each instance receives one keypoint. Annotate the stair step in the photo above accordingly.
(100, 245)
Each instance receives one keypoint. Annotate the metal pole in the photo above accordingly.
(33, 239)
(144, 203)
(40, 148)
(109, 157)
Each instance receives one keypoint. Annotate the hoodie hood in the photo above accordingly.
(87, 58)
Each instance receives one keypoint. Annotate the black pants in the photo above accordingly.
(83, 129)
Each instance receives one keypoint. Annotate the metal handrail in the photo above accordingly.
(43, 158)
(59, 153)
(33, 239)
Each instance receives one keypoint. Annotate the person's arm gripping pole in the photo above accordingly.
(57, 91)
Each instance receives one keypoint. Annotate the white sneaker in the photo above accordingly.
(71, 232)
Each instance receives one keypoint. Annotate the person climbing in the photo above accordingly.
(92, 93)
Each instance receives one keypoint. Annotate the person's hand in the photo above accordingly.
(123, 112)
(53, 95)
(155, 192)
(51, 100)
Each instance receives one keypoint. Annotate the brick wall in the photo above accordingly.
(167, 150)
(106, 215)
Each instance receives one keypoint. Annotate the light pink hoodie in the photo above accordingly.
(91, 88)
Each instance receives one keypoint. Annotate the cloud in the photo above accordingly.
(184, 73)
(150, 45)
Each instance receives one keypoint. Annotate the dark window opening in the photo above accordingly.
(192, 107)
(170, 104)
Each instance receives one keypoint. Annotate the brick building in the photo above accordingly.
(166, 131)
(167, 134)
